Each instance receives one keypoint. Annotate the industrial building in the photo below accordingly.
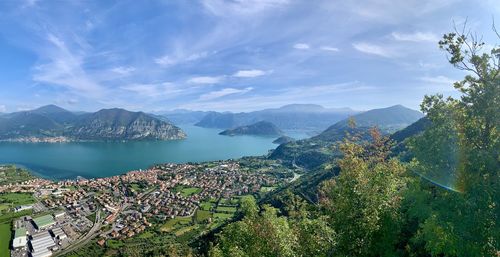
(59, 233)
(41, 244)
(19, 238)
(44, 221)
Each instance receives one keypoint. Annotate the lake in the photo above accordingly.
(103, 159)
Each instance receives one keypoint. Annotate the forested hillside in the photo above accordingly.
(444, 201)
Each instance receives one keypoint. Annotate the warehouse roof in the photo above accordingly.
(20, 232)
(44, 221)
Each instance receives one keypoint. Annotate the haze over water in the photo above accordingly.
(103, 159)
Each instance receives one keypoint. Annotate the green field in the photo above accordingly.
(267, 189)
(4, 207)
(114, 244)
(226, 209)
(147, 234)
(222, 216)
(11, 175)
(202, 216)
(189, 191)
(16, 198)
(5, 234)
(184, 230)
(135, 187)
(225, 201)
(206, 206)
(173, 223)
(9, 216)
(92, 217)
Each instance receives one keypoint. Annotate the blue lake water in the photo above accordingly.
(102, 159)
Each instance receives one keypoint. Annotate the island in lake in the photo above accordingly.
(261, 128)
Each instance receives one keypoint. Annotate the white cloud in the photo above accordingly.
(29, 3)
(165, 60)
(3, 108)
(440, 80)
(301, 46)
(321, 94)
(64, 67)
(329, 48)
(163, 90)
(415, 37)
(369, 48)
(241, 7)
(123, 70)
(205, 80)
(224, 92)
(250, 73)
(169, 60)
(437, 84)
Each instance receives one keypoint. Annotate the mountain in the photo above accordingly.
(304, 117)
(315, 151)
(387, 120)
(50, 122)
(261, 128)
(120, 124)
(283, 140)
(56, 113)
(182, 116)
(28, 124)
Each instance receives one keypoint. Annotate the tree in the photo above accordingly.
(257, 235)
(462, 145)
(363, 201)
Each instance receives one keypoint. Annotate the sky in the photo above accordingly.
(229, 55)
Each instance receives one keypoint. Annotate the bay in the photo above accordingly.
(103, 159)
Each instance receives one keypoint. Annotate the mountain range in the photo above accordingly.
(304, 117)
(315, 151)
(51, 124)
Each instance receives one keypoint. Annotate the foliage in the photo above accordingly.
(462, 145)
(363, 201)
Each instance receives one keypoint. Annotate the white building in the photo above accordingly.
(19, 238)
(23, 207)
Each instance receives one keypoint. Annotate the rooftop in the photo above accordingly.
(44, 220)
(20, 232)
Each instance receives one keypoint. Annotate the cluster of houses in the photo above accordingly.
(128, 210)
(131, 224)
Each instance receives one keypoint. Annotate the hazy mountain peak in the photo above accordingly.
(302, 107)
(50, 109)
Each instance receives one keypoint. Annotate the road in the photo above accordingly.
(85, 239)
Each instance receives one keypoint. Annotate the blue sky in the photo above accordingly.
(228, 55)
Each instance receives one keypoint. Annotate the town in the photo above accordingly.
(172, 198)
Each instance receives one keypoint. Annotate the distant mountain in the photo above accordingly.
(387, 120)
(28, 124)
(315, 151)
(305, 117)
(56, 113)
(181, 116)
(52, 123)
(283, 140)
(261, 128)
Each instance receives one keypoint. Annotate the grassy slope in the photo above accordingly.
(5, 235)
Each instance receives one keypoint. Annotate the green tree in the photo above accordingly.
(363, 201)
(257, 235)
(462, 146)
